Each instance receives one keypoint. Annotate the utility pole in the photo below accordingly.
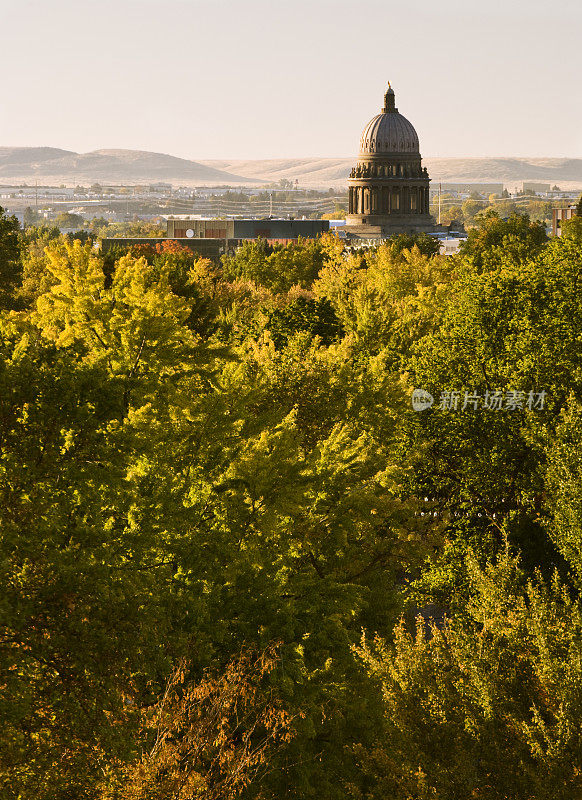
(36, 193)
(270, 204)
(440, 185)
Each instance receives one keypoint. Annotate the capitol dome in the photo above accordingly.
(388, 188)
(389, 132)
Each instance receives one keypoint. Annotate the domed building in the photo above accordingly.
(388, 187)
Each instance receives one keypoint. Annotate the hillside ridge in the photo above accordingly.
(118, 165)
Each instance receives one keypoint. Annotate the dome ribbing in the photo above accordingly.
(389, 132)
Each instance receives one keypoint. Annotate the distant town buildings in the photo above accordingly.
(160, 188)
(466, 189)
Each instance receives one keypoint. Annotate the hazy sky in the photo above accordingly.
(271, 78)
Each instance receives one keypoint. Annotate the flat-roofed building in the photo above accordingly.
(273, 230)
(533, 186)
(197, 228)
(205, 248)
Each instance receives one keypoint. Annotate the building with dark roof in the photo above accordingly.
(212, 238)
(280, 231)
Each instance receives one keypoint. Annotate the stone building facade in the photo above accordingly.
(561, 215)
(389, 187)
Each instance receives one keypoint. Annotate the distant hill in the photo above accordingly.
(48, 164)
(308, 171)
(335, 171)
(550, 170)
(52, 165)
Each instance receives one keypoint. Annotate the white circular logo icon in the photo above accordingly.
(189, 233)
(421, 399)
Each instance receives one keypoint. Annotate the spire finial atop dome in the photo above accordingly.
(389, 101)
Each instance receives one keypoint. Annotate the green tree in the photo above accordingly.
(87, 574)
(199, 461)
(159, 491)
(471, 209)
(10, 266)
(133, 228)
(488, 703)
(339, 212)
(31, 217)
(428, 245)
(388, 299)
(564, 482)
(304, 314)
(277, 268)
(67, 220)
(36, 277)
(493, 239)
(321, 515)
(98, 223)
(513, 328)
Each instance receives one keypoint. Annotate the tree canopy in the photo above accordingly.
(237, 562)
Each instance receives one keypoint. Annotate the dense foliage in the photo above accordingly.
(236, 562)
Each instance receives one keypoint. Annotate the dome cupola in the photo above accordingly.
(389, 132)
